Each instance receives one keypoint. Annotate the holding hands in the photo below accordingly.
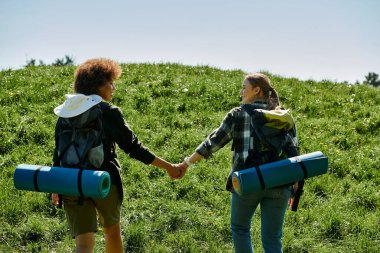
(177, 171)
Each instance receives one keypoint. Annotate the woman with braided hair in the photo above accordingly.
(258, 92)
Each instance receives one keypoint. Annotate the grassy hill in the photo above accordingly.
(172, 108)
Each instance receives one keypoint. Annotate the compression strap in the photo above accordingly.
(80, 190)
(261, 179)
(35, 178)
(303, 167)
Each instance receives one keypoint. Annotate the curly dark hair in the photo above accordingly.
(94, 73)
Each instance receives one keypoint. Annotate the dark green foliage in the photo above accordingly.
(65, 61)
(172, 108)
(372, 79)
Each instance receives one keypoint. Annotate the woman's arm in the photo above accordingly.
(189, 161)
(174, 171)
(216, 140)
(194, 158)
(119, 131)
(125, 138)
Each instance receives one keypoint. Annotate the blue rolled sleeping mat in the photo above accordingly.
(279, 173)
(65, 181)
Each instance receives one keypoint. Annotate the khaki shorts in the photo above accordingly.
(83, 218)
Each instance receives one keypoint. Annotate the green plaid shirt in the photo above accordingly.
(236, 127)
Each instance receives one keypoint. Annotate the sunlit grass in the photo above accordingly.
(172, 108)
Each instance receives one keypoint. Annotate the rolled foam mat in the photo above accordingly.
(65, 181)
(279, 173)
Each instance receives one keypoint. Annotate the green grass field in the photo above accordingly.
(172, 108)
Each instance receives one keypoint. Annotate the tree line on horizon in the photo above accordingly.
(65, 61)
(371, 78)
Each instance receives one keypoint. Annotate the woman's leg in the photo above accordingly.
(273, 208)
(109, 216)
(242, 210)
(114, 243)
(82, 222)
(85, 243)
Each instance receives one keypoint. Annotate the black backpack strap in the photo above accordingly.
(79, 182)
(297, 196)
(80, 189)
(247, 108)
(256, 140)
(255, 131)
(35, 178)
(303, 167)
(64, 151)
(69, 144)
(260, 176)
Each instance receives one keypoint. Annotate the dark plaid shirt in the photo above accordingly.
(236, 127)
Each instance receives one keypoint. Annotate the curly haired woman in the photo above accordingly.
(96, 76)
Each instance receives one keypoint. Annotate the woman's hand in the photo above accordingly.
(176, 171)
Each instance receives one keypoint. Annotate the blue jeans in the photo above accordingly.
(273, 204)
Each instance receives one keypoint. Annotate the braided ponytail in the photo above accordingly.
(273, 99)
(269, 93)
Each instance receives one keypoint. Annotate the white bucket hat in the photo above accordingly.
(76, 104)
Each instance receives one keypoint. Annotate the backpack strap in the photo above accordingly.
(256, 137)
(35, 178)
(79, 181)
(295, 199)
(260, 176)
(303, 167)
(69, 144)
(80, 189)
(248, 109)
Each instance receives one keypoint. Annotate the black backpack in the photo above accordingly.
(80, 140)
(80, 145)
(271, 141)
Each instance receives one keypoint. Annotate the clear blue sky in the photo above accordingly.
(320, 39)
